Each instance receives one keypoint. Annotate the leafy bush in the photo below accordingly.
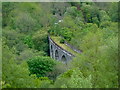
(12, 36)
(58, 69)
(72, 11)
(28, 41)
(103, 16)
(16, 76)
(40, 65)
(29, 53)
(20, 47)
(62, 40)
(73, 79)
(8, 7)
(114, 11)
(66, 33)
(55, 29)
(40, 40)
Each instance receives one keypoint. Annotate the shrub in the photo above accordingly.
(40, 65)
(14, 75)
(29, 53)
(73, 79)
(28, 40)
(62, 40)
(40, 41)
(59, 68)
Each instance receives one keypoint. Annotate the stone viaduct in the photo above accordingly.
(58, 53)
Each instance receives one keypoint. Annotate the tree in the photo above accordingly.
(58, 69)
(66, 33)
(28, 40)
(72, 11)
(40, 65)
(40, 40)
(24, 23)
(99, 61)
(8, 7)
(95, 20)
(73, 79)
(104, 16)
(90, 11)
(113, 11)
(29, 53)
(16, 76)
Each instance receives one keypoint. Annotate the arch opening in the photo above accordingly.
(56, 55)
(63, 59)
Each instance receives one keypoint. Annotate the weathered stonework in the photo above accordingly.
(58, 53)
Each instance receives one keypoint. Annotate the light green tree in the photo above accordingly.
(73, 79)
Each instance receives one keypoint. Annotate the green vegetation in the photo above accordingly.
(57, 39)
(40, 65)
(88, 26)
(17, 76)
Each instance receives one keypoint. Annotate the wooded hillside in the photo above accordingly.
(90, 27)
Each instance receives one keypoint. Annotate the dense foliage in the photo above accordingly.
(73, 79)
(40, 65)
(90, 27)
(17, 76)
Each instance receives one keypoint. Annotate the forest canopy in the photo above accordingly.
(90, 27)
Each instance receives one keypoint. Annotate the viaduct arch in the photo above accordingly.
(58, 53)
